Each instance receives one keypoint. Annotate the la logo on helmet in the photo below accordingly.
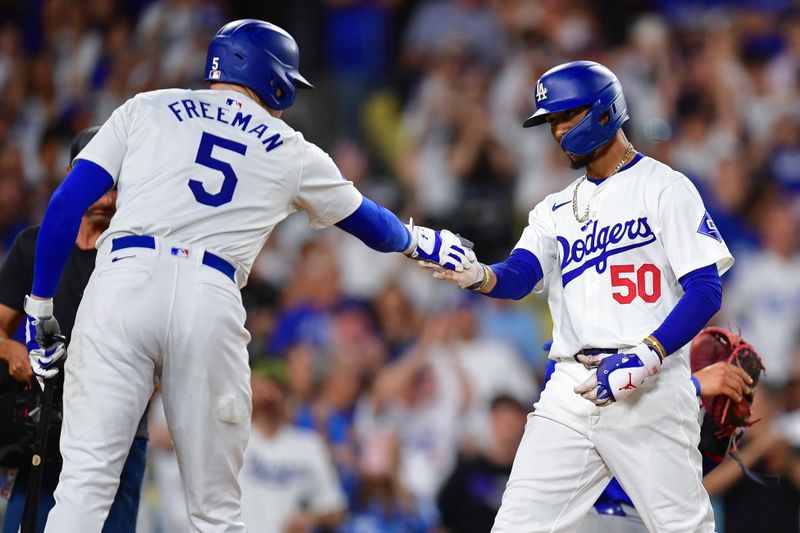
(541, 92)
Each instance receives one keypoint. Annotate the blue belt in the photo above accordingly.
(146, 241)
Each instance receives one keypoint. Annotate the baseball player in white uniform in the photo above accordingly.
(630, 261)
(203, 177)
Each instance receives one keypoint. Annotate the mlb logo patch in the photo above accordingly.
(215, 75)
(708, 228)
(180, 252)
(236, 103)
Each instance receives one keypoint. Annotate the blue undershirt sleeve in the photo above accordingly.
(83, 186)
(516, 276)
(702, 298)
(377, 227)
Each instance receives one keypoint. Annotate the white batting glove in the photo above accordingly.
(619, 375)
(443, 248)
(43, 338)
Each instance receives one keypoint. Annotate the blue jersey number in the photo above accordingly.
(225, 194)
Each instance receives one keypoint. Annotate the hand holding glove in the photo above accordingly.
(43, 338)
(619, 375)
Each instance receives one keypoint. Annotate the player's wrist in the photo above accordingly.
(649, 356)
(656, 345)
(482, 275)
(38, 307)
(412, 239)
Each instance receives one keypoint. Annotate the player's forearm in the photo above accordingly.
(83, 186)
(515, 277)
(701, 300)
(376, 227)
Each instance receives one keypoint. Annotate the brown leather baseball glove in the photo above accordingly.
(725, 418)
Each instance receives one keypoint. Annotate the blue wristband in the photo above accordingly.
(696, 385)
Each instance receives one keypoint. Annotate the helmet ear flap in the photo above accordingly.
(280, 92)
(617, 111)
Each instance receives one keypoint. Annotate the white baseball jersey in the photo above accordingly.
(287, 473)
(213, 168)
(613, 279)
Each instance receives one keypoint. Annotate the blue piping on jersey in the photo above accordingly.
(82, 187)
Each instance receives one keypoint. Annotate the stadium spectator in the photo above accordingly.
(471, 496)
(289, 483)
(764, 297)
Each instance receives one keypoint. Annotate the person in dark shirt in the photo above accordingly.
(470, 498)
(771, 451)
(16, 280)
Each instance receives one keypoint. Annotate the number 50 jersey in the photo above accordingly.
(213, 168)
(613, 279)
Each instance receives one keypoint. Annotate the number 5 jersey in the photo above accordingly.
(213, 168)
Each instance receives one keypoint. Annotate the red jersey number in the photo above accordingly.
(644, 282)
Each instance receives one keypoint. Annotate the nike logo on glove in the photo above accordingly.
(561, 205)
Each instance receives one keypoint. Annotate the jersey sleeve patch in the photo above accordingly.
(708, 228)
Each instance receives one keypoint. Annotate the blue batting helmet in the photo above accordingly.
(578, 84)
(258, 55)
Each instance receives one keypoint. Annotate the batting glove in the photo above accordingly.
(444, 248)
(619, 375)
(43, 338)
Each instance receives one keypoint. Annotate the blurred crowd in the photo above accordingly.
(385, 402)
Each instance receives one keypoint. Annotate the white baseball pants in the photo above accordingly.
(148, 313)
(571, 448)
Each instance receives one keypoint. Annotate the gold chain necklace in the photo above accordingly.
(585, 217)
